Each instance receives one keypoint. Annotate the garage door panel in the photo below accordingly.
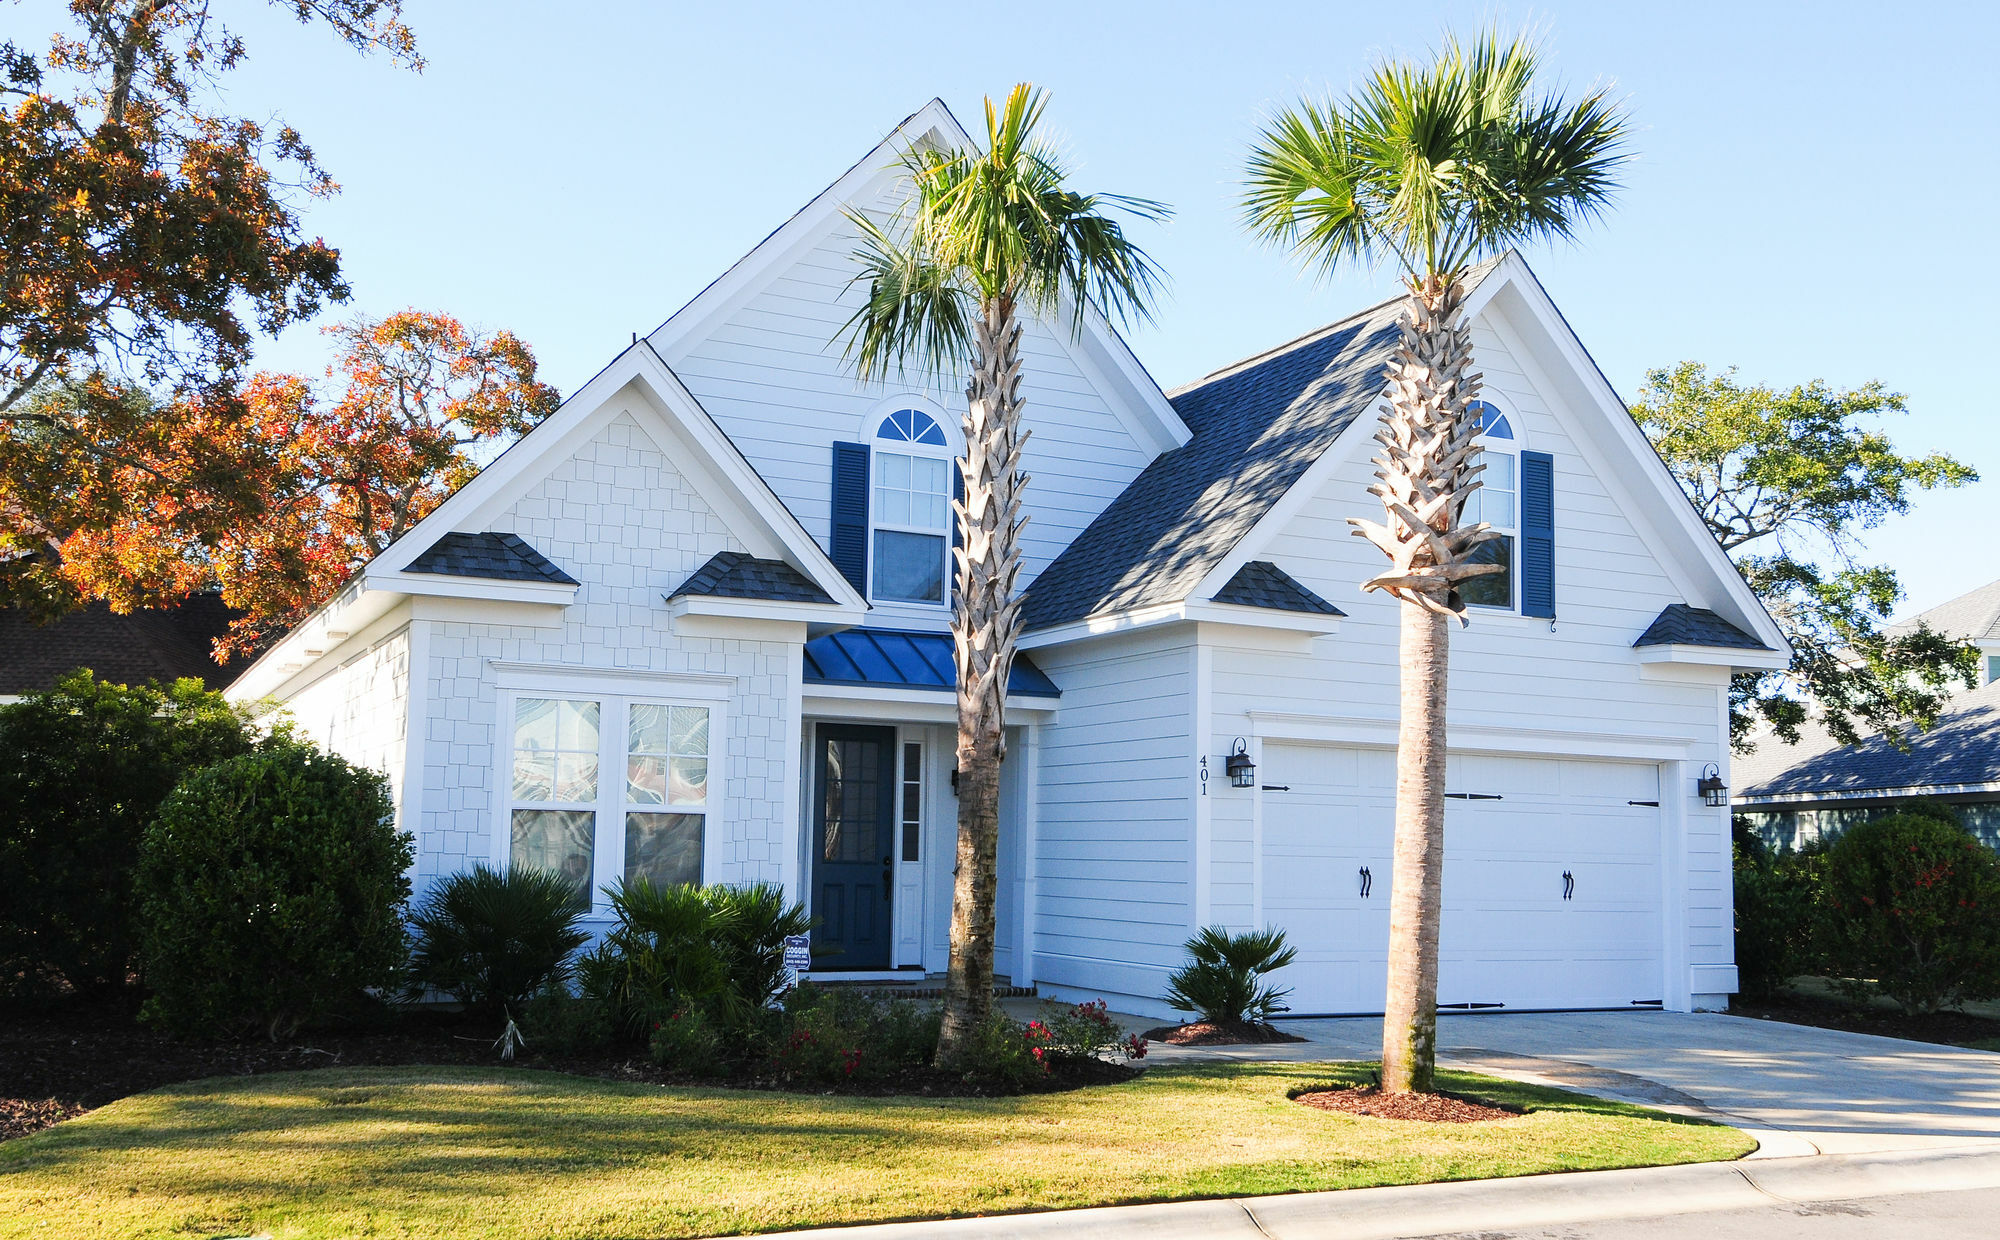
(1509, 935)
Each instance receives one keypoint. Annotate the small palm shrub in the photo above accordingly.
(682, 947)
(83, 769)
(493, 937)
(272, 889)
(1912, 911)
(1222, 981)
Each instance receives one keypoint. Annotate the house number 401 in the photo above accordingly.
(1204, 774)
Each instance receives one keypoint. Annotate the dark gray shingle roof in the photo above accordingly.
(1681, 625)
(161, 644)
(1964, 748)
(895, 659)
(1261, 583)
(732, 574)
(502, 557)
(1257, 427)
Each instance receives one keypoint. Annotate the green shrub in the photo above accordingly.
(556, 1022)
(1079, 1031)
(1220, 982)
(1912, 911)
(688, 1042)
(272, 890)
(492, 937)
(1777, 914)
(1007, 1056)
(83, 769)
(833, 1037)
(720, 949)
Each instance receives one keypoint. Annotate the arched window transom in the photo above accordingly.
(911, 506)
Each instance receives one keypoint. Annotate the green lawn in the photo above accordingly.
(465, 1152)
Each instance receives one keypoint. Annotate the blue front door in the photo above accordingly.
(853, 857)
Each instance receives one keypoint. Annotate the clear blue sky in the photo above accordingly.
(1814, 195)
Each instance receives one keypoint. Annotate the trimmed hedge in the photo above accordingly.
(272, 890)
(83, 769)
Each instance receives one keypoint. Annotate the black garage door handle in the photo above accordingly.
(1569, 884)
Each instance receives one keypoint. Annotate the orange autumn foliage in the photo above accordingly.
(278, 491)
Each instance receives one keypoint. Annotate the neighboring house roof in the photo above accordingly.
(1971, 617)
(894, 659)
(732, 574)
(1962, 751)
(1261, 583)
(495, 556)
(161, 644)
(1681, 625)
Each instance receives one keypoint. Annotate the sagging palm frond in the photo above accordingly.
(1434, 166)
(986, 235)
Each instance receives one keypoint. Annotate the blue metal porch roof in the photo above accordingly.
(896, 659)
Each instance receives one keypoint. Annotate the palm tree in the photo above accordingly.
(987, 236)
(1434, 166)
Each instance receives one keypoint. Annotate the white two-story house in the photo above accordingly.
(694, 627)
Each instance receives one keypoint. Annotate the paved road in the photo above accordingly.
(1916, 1216)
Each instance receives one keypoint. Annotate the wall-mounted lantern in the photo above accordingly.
(1714, 793)
(1241, 770)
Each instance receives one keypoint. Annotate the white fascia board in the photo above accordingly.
(1735, 658)
(913, 705)
(498, 590)
(1380, 733)
(1313, 623)
(1104, 625)
(1270, 619)
(1101, 348)
(1664, 497)
(350, 611)
(1835, 796)
(828, 614)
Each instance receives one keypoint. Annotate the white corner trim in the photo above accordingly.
(1732, 657)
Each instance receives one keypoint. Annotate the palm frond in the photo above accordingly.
(913, 313)
(1438, 164)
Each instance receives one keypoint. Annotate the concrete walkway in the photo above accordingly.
(1800, 1090)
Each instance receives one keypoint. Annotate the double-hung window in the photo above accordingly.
(1497, 503)
(911, 510)
(602, 787)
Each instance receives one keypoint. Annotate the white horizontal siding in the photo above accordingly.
(1114, 864)
(772, 375)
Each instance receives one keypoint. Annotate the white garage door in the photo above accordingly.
(1552, 878)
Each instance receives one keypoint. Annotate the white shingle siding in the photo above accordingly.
(360, 709)
(619, 518)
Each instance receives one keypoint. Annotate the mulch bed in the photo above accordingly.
(58, 1065)
(1218, 1033)
(1948, 1028)
(1425, 1108)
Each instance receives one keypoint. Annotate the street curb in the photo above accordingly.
(1483, 1205)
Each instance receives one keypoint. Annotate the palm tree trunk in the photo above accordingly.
(1409, 1017)
(986, 620)
(1424, 474)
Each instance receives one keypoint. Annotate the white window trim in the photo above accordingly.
(615, 693)
(1511, 448)
(949, 454)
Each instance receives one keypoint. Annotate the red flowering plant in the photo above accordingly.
(1911, 904)
(1078, 1031)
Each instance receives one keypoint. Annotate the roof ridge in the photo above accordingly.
(1297, 342)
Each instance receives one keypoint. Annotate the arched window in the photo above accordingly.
(911, 510)
(1497, 502)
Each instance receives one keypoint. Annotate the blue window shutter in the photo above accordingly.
(957, 527)
(849, 545)
(1538, 535)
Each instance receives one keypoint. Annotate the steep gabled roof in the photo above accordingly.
(494, 556)
(1257, 426)
(161, 644)
(1681, 625)
(732, 574)
(1261, 583)
(1963, 750)
(1971, 617)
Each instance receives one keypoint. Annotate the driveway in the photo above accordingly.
(1807, 1090)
